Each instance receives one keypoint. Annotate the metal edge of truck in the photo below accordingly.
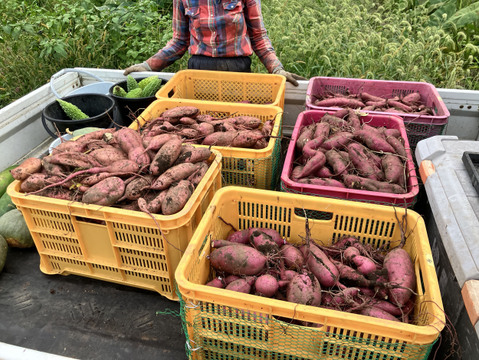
(22, 134)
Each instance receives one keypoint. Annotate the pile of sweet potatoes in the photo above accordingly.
(119, 168)
(195, 128)
(342, 150)
(408, 104)
(347, 276)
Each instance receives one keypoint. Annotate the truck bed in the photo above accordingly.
(83, 318)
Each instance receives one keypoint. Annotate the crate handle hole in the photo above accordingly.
(313, 214)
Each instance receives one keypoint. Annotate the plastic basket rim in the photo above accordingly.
(227, 74)
(248, 301)
(361, 194)
(184, 214)
(225, 151)
(435, 119)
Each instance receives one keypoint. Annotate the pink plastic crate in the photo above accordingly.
(391, 122)
(318, 86)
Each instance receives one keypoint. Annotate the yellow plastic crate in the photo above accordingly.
(225, 86)
(256, 168)
(116, 245)
(222, 324)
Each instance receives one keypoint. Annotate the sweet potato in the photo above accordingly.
(306, 134)
(324, 172)
(401, 275)
(412, 99)
(204, 129)
(152, 206)
(199, 173)
(220, 138)
(72, 159)
(238, 260)
(340, 102)
(377, 313)
(360, 159)
(166, 156)
(135, 187)
(322, 182)
(107, 192)
(176, 197)
(239, 236)
(337, 162)
(37, 181)
(28, 166)
(369, 97)
(266, 285)
(181, 111)
(312, 165)
(292, 256)
(131, 143)
(173, 174)
(246, 138)
(373, 141)
(242, 285)
(397, 146)
(156, 142)
(108, 154)
(275, 235)
(334, 122)
(263, 242)
(363, 264)
(338, 140)
(394, 169)
(320, 265)
(247, 122)
(194, 154)
(217, 282)
(304, 289)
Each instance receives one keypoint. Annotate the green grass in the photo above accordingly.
(433, 41)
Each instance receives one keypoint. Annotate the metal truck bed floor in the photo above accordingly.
(84, 318)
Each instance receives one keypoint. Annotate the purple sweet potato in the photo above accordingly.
(107, 192)
(238, 260)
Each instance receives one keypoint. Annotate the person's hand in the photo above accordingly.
(137, 68)
(290, 77)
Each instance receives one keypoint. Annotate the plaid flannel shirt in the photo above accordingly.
(217, 28)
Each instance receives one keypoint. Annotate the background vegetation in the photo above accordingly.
(409, 40)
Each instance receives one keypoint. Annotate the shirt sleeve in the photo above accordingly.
(260, 41)
(179, 43)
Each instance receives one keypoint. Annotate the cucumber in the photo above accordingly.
(5, 179)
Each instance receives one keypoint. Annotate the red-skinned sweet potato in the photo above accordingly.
(28, 166)
(238, 260)
(107, 192)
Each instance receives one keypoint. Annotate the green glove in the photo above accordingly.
(290, 77)
(136, 68)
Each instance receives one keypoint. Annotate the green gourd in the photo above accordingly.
(131, 83)
(142, 83)
(72, 111)
(151, 88)
(6, 204)
(3, 252)
(135, 93)
(5, 179)
(119, 91)
(15, 230)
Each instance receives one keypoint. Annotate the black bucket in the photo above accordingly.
(130, 108)
(99, 107)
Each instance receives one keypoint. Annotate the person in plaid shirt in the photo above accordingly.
(219, 35)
